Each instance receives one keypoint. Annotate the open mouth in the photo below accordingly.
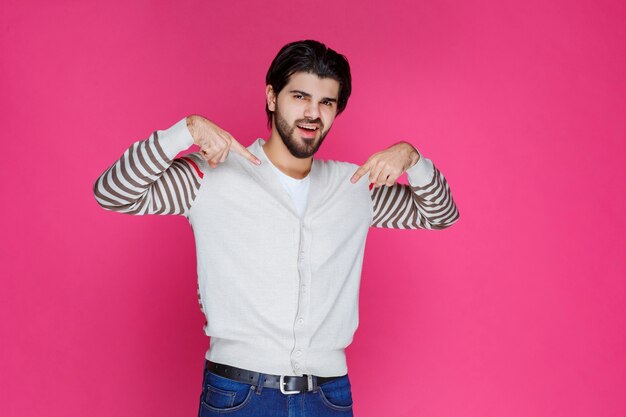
(308, 127)
(307, 130)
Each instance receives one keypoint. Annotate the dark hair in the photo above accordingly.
(312, 57)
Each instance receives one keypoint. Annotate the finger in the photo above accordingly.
(225, 155)
(363, 169)
(243, 151)
(386, 177)
(220, 157)
(227, 150)
(376, 175)
(381, 180)
(205, 155)
(219, 144)
(208, 154)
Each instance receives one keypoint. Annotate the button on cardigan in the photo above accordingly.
(279, 291)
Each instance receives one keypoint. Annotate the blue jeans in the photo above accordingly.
(226, 397)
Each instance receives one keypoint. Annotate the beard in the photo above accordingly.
(300, 148)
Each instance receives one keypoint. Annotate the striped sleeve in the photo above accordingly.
(148, 179)
(426, 203)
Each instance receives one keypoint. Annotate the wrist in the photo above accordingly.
(413, 154)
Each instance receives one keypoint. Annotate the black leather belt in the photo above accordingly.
(286, 383)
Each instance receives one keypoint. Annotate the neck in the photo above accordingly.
(282, 159)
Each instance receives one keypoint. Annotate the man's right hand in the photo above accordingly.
(215, 142)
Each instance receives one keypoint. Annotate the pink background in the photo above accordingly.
(517, 310)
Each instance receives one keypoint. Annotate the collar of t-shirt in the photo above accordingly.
(298, 189)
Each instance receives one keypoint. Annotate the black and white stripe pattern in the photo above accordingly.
(410, 207)
(145, 181)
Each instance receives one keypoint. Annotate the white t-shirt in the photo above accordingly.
(298, 189)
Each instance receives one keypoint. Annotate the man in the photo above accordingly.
(279, 235)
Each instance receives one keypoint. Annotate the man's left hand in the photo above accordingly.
(386, 166)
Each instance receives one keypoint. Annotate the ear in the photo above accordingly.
(270, 97)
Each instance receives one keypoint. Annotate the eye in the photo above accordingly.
(298, 96)
(327, 103)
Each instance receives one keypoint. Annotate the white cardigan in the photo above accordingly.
(279, 292)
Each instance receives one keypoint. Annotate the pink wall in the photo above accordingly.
(517, 310)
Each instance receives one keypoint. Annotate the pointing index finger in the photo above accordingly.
(363, 169)
(243, 151)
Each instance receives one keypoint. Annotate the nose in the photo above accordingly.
(312, 110)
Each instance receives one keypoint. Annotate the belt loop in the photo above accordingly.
(260, 383)
(315, 386)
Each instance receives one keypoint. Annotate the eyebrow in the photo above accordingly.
(334, 100)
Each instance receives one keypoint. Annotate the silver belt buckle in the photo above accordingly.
(309, 381)
(282, 388)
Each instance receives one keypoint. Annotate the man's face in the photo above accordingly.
(304, 112)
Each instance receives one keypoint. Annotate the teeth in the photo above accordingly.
(308, 127)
